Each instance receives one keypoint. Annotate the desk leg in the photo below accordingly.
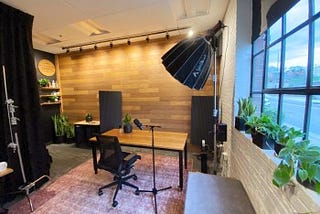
(185, 156)
(94, 157)
(180, 170)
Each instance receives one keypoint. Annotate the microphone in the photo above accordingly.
(138, 123)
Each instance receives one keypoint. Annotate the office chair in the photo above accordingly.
(119, 163)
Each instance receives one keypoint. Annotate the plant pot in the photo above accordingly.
(89, 118)
(278, 147)
(307, 184)
(59, 139)
(239, 123)
(127, 128)
(258, 139)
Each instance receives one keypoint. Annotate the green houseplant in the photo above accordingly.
(88, 117)
(260, 128)
(127, 124)
(285, 135)
(44, 82)
(245, 109)
(300, 160)
(58, 125)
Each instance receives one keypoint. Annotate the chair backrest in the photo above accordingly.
(111, 156)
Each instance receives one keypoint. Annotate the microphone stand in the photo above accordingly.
(154, 190)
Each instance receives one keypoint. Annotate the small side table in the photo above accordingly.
(84, 131)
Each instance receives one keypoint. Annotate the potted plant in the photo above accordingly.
(53, 98)
(127, 125)
(88, 117)
(245, 110)
(44, 82)
(260, 128)
(300, 160)
(69, 131)
(285, 135)
(58, 124)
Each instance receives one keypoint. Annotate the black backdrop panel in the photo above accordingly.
(202, 119)
(110, 106)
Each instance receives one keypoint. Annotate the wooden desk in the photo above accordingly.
(169, 141)
(6, 172)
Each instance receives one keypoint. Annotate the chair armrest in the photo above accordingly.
(131, 158)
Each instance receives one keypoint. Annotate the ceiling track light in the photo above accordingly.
(111, 45)
(68, 50)
(80, 49)
(128, 37)
(95, 47)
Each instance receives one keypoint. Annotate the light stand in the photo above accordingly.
(154, 190)
(14, 144)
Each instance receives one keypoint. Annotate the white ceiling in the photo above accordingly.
(63, 23)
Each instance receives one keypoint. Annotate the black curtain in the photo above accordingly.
(256, 19)
(16, 54)
(277, 10)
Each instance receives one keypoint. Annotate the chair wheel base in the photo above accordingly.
(100, 192)
(115, 203)
(134, 177)
(137, 192)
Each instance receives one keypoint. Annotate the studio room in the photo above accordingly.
(162, 106)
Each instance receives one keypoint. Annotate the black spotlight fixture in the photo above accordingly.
(95, 47)
(68, 50)
(190, 61)
(128, 42)
(148, 39)
(80, 49)
(111, 45)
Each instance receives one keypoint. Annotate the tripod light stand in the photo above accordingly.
(154, 190)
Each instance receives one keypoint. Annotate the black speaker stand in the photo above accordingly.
(154, 190)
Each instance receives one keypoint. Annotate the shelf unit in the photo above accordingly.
(46, 93)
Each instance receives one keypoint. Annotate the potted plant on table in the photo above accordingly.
(88, 117)
(300, 160)
(245, 109)
(127, 124)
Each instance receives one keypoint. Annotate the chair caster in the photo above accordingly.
(134, 177)
(137, 192)
(115, 203)
(100, 192)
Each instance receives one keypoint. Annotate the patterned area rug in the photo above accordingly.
(77, 191)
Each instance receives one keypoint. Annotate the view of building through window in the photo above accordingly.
(286, 69)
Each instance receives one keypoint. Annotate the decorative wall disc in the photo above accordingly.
(46, 67)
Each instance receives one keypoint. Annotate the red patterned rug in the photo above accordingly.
(77, 191)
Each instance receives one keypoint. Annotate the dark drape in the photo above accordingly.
(256, 19)
(278, 9)
(16, 54)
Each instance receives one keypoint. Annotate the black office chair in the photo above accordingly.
(119, 163)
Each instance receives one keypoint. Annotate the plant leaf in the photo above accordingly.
(282, 175)
(303, 174)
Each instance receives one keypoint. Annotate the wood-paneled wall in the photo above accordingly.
(149, 92)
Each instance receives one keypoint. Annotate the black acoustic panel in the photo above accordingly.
(202, 120)
(110, 106)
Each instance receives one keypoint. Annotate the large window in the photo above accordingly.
(286, 69)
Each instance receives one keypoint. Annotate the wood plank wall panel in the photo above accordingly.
(149, 92)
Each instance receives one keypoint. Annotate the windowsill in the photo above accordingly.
(271, 155)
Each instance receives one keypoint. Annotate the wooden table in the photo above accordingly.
(169, 141)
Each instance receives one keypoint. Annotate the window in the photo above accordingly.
(286, 70)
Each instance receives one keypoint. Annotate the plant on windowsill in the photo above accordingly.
(245, 110)
(300, 161)
(127, 124)
(284, 135)
(260, 128)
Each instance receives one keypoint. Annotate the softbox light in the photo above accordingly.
(189, 61)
